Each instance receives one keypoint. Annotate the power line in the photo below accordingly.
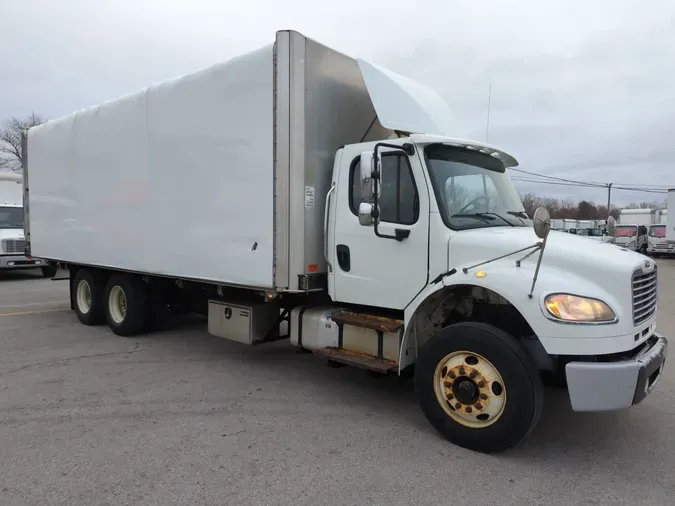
(586, 183)
(596, 184)
(589, 185)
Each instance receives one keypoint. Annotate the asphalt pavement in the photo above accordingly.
(182, 418)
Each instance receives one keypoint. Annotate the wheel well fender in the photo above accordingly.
(444, 305)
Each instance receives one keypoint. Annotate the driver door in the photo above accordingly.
(372, 270)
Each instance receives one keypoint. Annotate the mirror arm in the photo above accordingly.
(408, 149)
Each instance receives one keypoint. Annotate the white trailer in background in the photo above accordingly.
(332, 190)
(670, 222)
(663, 217)
(12, 240)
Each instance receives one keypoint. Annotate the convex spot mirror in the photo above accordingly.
(542, 222)
(611, 225)
(366, 169)
(366, 214)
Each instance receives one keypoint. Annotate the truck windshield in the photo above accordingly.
(473, 190)
(626, 231)
(11, 217)
(657, 231)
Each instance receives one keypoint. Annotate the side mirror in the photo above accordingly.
(366, 214)
(366, 168)
(611, 225)
(542, 222)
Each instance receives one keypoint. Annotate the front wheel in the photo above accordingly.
(478, 387)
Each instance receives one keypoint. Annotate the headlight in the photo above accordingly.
(572, 308)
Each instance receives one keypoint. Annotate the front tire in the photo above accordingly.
(126, 304)
(478, 387)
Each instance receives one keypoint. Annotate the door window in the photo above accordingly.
(398, 199)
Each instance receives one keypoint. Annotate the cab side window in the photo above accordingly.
(399, 202)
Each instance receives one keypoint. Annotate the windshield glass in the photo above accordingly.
(625, 231)
(473, 190)
(594, 232)
(657, 231)
(11, 217)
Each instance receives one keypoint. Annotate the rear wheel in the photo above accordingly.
(478, 387)
(126, 304)
(89, 297)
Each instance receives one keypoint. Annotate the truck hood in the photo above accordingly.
(591, 260)
(11, 233)
(406, 105)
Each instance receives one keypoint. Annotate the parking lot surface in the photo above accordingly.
(179, 417)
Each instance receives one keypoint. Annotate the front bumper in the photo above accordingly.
(619, 384)
(20, 262)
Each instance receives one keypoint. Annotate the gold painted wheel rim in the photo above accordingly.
(470, 389)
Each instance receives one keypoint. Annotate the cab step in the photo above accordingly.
(356, 359)
(368, 321)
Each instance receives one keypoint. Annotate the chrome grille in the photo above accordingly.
(14, 246)
(645, 295)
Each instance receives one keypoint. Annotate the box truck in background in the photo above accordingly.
(332, 192)
(12, 240)
(633, 228)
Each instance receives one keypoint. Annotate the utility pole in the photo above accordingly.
(609, 197)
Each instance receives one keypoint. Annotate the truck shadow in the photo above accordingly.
(568, 434)
(18, 275)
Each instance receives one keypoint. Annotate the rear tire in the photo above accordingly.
(126, 304)
(487, 408)
(89, 297)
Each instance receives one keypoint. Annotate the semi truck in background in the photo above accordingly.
(332, 193)
(12, 240)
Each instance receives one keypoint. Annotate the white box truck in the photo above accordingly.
(12, 240)
(295, 180)
(633, 230)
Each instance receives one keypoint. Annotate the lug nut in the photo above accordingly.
(468, 409)
(447, 384)
(458, 405)
(481, 384)
(452, 374)
(478, 405)
(462, 372)
(473, 374)
(483, 396)
(450, 397)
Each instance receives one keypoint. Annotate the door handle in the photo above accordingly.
(343, 257)
(401, 233)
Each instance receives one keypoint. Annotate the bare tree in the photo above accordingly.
(11, 154)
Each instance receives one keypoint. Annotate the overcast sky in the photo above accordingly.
(582, 90)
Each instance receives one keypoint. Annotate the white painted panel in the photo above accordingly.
(406, 105)
(176, 179)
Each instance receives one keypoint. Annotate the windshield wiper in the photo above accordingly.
(480, 216)
(487, 217)
(519, 214)
(498, 216)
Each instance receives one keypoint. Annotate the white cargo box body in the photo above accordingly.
(669, 222)
(217, 176)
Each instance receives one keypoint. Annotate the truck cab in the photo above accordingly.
(657, 243)
(632, 237)
(12, 239)
(432, 227)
